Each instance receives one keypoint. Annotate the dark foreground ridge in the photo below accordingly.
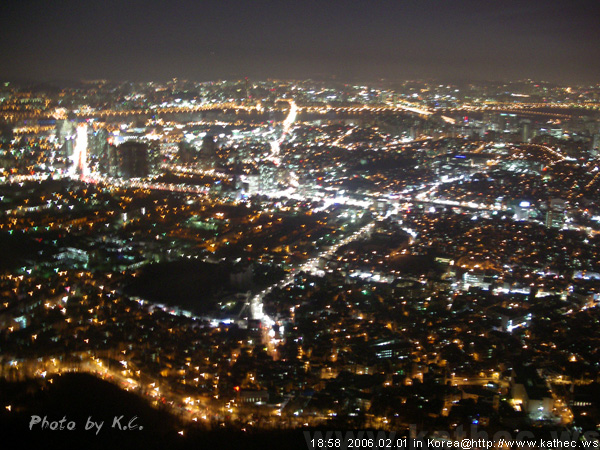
(79, 396)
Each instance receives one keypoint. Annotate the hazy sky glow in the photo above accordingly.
(202, 40)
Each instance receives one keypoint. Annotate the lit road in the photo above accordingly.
(310, 266)
(399, 106)
(287, 124)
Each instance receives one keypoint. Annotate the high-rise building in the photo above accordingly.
(98, 148)
(98, 142)
(186, 152)
(65, 136)
(108, 163)
(526, 130)
(554, 219)
(523, 210)
(595, 147)
(67, 146)
(64, 130)
(555, 216)
(133, 160)
(6, 134)
(208, 152)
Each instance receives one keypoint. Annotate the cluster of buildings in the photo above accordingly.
(289, 254)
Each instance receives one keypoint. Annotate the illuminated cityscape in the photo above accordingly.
(246, 260)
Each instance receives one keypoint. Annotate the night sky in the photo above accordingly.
(550, 40)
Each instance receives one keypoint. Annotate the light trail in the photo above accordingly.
(79, 158)
(414, 109)
(524, 108)
(287, 124)
(310, 266)
(339, 139)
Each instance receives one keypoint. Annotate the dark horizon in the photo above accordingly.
(149, 41)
